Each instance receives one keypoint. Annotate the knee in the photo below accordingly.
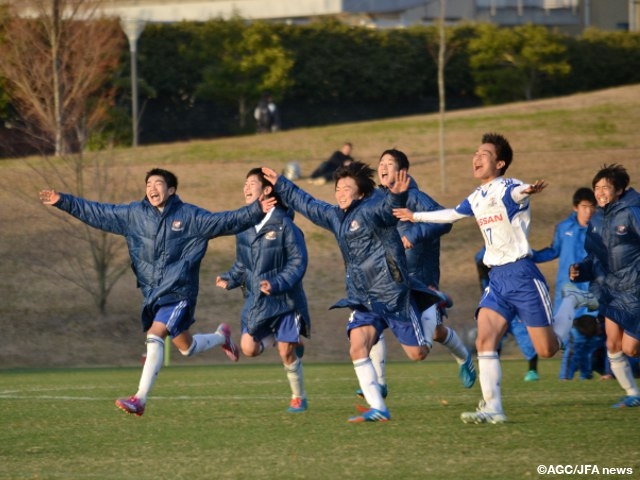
(418, 354)
(547, 351)
(632, 351)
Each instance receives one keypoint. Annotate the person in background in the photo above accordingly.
(377, 280)
(612, 265)
(271, 260)
(568, 248)
(324, 172)
(167, 240)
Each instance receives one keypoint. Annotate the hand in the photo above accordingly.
(265, 287)
(404, 214)
(267, 203)
(49, 197)
(536, 187)
(400, 183)
(221, 282)
(270, 174)
(574, 271)
(406, 243)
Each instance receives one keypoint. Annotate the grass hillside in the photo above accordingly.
(48, 321)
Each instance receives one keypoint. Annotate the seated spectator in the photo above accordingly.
(339, 158)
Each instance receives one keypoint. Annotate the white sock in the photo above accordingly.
(152, 366)
(296, 379)
(378, 356)
(623, 373)
(203, 342)
(490, 378)
(455, 346)
(367, 378)
(429, 321)
(563, 319)
(267, 342)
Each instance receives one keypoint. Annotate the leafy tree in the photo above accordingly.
(508, 63)
(251, 61)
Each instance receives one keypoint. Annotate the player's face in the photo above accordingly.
(346, 192)
(584, 211)
(387, 169)
(253, 189)
(485, 163)
(605, 192)
(157, 191)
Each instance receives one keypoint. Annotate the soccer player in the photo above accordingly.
(613, 267)
(167, 240)
(271, 259)
(377, 280)
(500, 206)
(422, 248)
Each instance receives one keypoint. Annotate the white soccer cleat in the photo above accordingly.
(582, 298)
(482, 415)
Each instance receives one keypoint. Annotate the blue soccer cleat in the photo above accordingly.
(371, 415)
(628, 402)
(297, 405)
(467, 373)
(531, 376)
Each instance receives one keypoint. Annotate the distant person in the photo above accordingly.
(500, 206)
(377, 281)
(339, 158)
(568, 248)
(271, 260)
(167, 240)
(516, 328)
(267, 115)
(612, 265)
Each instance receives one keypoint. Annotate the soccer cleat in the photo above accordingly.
(467, 373)
(130, 405)
(371, 415)
(300, 349)
(384, 391)
(297, 405)
(531, 376)
(230, 348)
(581, 297)
(627, 402)
(482, 415)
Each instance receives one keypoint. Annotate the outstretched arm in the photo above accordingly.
(521, 192)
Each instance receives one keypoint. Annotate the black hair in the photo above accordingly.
(503, 149)
(170, 178)
(266, 183)
(582, 194)
(616, 175)
(401, 159)
(361, 173)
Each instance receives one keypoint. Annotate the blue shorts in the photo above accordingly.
(176, 317)
(518, 288)
(407, 333)
(622, 308)
(287, 329)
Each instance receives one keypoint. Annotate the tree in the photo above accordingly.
(251, 61)
(57, 57)
(508, 63)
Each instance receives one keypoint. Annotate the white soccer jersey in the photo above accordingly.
(503, 215)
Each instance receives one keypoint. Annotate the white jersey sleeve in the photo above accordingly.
(448, 215)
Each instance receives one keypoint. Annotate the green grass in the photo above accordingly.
(210, 422)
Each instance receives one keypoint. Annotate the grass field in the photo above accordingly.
(230, 421)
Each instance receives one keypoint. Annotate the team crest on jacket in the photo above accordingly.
(177, 226)
(621, 230)
(270, 235)
(354, 226)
